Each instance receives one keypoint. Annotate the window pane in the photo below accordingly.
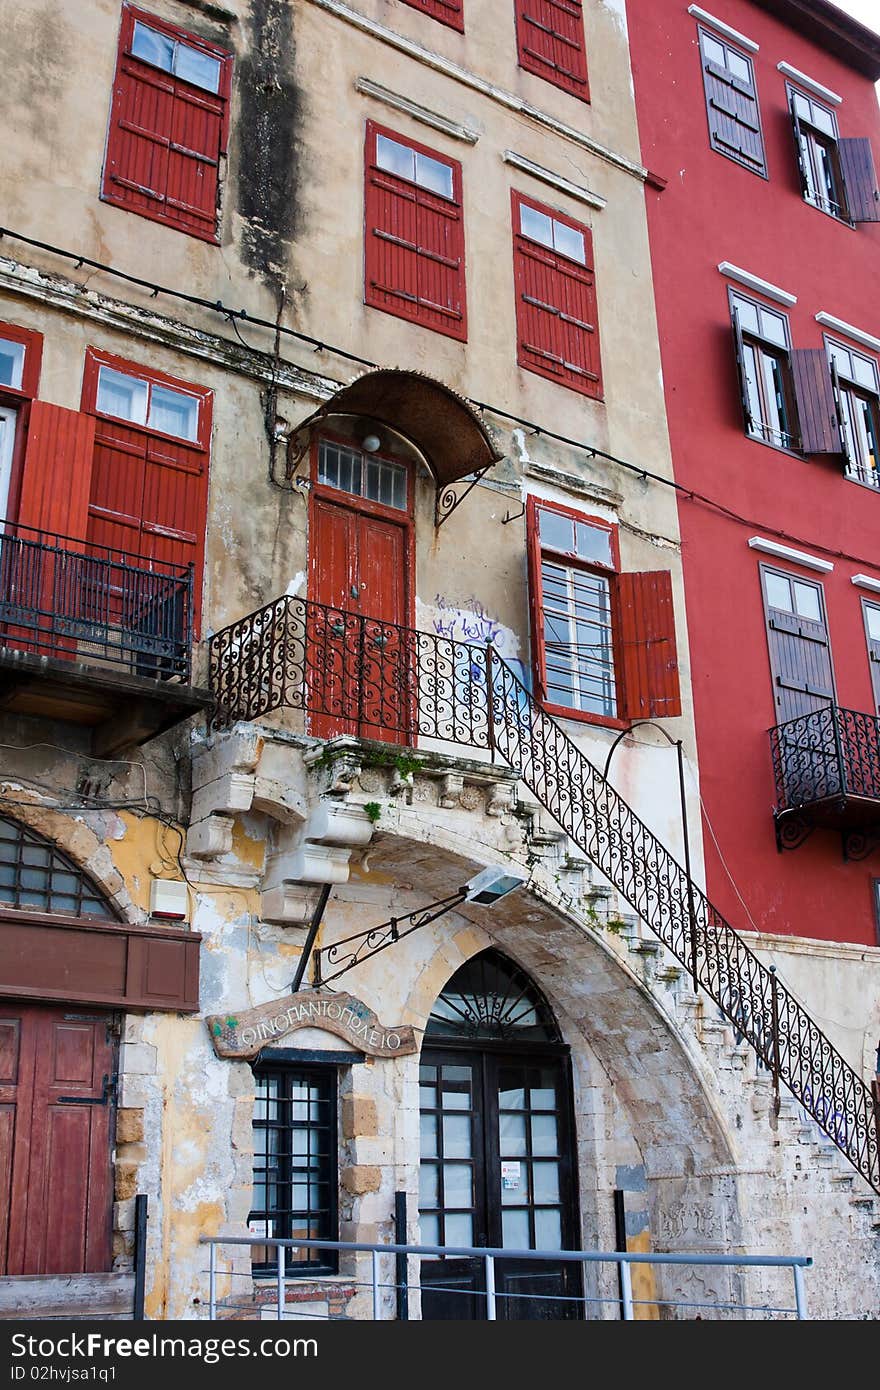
(152, 46)
(806, 600)
(748, 315)
(713, 50)
(738, 66)
(515, 1230)
(779, 592)
(457, 1185)
(512, 1135)
(11, 363)
(823, 119)
(555, 531)
(457, 1136)
(174, 413)
(545, 1182)
(544, 1136)
(537, 226)
(803, 107)
(433, 175)
(514, 1099)
(773, 328)
(841, 359)
(872, 619)
(548, 1230)
(569, 243)
(197, 67)
(459, 1229)
(593, 543)
(428, 1134)
(865, 372)
(429, 1186)
(397, 159)
(429, 1229)
(515, 1184)
(122, 396)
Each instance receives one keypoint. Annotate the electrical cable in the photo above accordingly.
(217, 306)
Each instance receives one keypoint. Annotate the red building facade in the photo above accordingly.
(760, 125)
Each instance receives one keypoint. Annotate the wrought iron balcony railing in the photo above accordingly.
(356, 674)
(828, 758)
(72, 600)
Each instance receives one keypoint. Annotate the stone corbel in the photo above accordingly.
(223, 787)
(451, 788)
(501, 798)
(290, 904)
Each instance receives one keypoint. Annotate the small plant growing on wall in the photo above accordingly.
(373, 810)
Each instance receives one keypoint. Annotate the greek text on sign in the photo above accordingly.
(244, 1034)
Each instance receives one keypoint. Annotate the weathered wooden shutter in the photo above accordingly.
(57, 471)
(415, 248)
(838, 406)
(449, 12)
(860, 179)
(817, 410)
(800, 658)
(739, 348)
(556, 313)
(648, 687)
(165, 143)
(799, 150)
(550, 42)
(734, 119)
(536, 599)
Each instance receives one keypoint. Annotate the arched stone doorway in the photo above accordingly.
(497, 1165)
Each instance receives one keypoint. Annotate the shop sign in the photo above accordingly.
(243, 1034)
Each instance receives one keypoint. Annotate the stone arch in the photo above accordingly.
(79, 842)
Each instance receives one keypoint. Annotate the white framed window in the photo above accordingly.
(11, 363)
(763, 353)
(143, 402)
(172, 55)
(857, 387)
(406, 163)
(362, 474)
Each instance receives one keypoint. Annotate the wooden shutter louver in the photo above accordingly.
(734, 119)
(57, 471)
(449, 12)
(740, 351)
(817, 410)
(551, 44)
(414, 252)
(648, 687)
(166, 141)
(860, 179)
(556, 313)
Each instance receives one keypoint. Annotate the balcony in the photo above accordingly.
(827, 770)
(95, 637)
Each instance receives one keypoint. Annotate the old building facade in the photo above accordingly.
(342, 561)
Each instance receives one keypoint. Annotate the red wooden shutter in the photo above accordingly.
(550, 42)
(449, 12)
(648, 659)
(556, 312)
(536, 598)
(165, 141)
(860, 178)
(414, 262)
(57, 471)
(817, 412)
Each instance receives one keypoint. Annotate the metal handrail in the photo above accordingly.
(383, 679)
(832, 753)
(74, 600)
(489, 1254)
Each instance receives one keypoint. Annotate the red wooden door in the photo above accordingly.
(56, 1087)
(359, 676)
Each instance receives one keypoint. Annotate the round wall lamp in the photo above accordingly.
(370, 443)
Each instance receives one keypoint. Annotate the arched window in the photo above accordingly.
(37, 876)
(491, 1000)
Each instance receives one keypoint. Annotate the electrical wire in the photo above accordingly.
(231, 315)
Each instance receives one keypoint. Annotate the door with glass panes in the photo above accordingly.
(497, 1162)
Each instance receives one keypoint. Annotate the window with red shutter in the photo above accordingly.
(550, 42)
(168, 125)
(149, 482)
(556, 319)
(449, 12)
(414, 234)
(603, 642)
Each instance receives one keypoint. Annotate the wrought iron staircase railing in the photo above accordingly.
(391, 682)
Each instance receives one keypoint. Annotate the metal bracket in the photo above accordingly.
(791, 830)
(108, 1093)
(859, 844)
(448, 499)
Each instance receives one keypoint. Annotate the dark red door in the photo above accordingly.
(359, 667)
(57, 1072)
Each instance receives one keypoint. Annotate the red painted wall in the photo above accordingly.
(714, 210)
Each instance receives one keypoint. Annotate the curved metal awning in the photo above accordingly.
(440, 423)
